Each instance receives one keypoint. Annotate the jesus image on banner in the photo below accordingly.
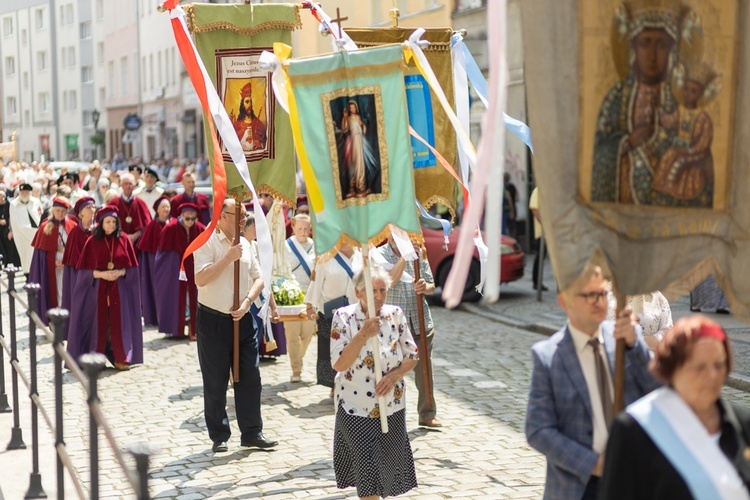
(355, 130)
(251, 131)
(653, 134)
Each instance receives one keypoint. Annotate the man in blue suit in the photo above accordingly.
(569, 409)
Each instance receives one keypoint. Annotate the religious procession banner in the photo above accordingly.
(641, 123)
(230, 39)
(433, 183)
(351, 126)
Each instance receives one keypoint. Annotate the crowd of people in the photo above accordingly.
(106, 242)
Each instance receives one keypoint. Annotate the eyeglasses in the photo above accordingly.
(242, 216)
(190, 219)
(592, 298)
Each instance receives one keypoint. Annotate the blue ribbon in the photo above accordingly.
(515, 127)
(431, 222)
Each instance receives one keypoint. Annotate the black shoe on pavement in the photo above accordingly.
(259, 441)
(544, 287)
(220, 447)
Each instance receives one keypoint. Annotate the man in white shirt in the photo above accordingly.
(570, 402)
(214, 265)
(25, 216)
(150, 192)
(300, 254)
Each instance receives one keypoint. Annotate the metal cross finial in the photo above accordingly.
(338, 21)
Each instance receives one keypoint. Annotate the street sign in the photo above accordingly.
(132, 122)
(128, 137)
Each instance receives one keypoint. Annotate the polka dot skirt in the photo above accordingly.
(376, 463)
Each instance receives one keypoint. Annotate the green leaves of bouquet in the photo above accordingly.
(287, 292)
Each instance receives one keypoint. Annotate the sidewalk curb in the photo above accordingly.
(734, 380)
(514, 322)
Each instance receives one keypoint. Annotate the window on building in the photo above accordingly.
(65, 100)
(151, 71)
(124, 76)
(87, 120)
(87, 74)
(85, 29)
(72, 100)
(99, 10)
(41, 60)
(39, 19)
(8, 26)
(27, 117)
(100, 53)
(10, 66)
(24, 38)
(66, 14)
(143, 76)
(11, 106)
(111, 78)
(25, 79)
(71, 56)
(44, 102)
(102, 96)
(161, 79)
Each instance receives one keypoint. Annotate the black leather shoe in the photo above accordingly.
(544, 287)
(259, 441)
(220, 447)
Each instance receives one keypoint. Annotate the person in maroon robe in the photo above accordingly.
(47, 260)
(105, 312)
(175, 239)
(85, 209)
(190, 196)
(134, 214)
(147, 247)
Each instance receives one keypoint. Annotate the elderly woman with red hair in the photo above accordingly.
(683, 440)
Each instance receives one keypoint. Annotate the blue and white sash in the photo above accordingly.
(303, 257)
(684, 441)
(345, 265)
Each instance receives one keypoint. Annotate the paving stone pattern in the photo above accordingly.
(482, 371)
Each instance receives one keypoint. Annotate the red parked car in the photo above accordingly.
(441, 260)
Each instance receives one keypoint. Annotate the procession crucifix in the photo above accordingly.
(338, 22)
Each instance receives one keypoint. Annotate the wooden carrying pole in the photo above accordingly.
(619, 401)
(236, 305)
(374, 342)
(424, 354)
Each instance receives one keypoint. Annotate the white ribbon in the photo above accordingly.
(231, 141)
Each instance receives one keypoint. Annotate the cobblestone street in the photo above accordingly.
(482, 371)
(482, 375)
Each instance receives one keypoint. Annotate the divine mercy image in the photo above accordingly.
(357, 147)
(654, 134)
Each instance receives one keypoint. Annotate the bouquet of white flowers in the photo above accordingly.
(287, 292)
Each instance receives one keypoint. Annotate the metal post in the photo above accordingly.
(142, 452)
(16, 436)
(4, 406)
(35, 478)
(58, 317)
(93, 363)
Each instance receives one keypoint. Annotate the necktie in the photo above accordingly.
(603, 382)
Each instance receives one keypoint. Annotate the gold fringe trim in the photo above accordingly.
(681, 286)
(432, 47)
(195, 29)
(277, 195)
(435, 199)
(375, 240)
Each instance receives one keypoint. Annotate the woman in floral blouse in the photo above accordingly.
(378, 464)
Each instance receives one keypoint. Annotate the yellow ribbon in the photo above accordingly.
(283, 51)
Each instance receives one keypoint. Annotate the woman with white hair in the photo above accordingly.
(99, 194)
(378, 464)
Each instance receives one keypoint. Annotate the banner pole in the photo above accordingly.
(374, 342)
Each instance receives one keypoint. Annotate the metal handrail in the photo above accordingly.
(93, 364)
